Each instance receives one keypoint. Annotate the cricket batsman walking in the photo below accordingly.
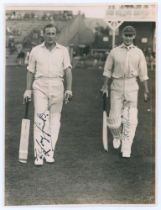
(123, 65)
(48, 64)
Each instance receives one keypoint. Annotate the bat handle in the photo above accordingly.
(26, 109)
(104, 102)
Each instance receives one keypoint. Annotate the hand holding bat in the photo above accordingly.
(27, 96)
(68, 96)
(104, 90)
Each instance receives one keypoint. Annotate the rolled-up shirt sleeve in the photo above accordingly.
(66, 60)
(143, 72)
(108, 66)
(32, 62)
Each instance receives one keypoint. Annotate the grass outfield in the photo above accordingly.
(83, 172)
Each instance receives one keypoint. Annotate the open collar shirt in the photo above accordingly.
(126, 62)
(49, 64)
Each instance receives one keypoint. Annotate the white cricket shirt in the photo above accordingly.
(126, 62)
(49, 64)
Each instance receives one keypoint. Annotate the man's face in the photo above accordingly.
(50, 35)
(128, 39)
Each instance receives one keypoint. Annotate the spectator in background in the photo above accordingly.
(21, 54)
(11, 44)
(27, 58)
(150, 58)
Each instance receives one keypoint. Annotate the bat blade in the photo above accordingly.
(105, 131)
(24, 140)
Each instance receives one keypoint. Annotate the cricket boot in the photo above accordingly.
(38, 161)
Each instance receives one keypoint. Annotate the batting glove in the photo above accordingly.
(104, 90)
(27, 96)
(68, 96)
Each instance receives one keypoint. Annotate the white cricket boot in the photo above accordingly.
(39, 162)
(126, 154)
(49, 159)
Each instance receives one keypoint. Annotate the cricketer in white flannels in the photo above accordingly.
(49, 63)
(123, 65)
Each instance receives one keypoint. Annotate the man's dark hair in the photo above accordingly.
(49, 26)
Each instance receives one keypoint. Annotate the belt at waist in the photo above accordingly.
(124, 78)
(49, 78)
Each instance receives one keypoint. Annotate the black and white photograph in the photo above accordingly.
(80, 104)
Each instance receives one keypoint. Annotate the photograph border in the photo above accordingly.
(5, 4)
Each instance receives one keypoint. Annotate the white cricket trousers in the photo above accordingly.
(124, 100)
(48, 101)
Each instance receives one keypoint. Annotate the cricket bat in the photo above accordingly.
(104, 124)
(24, 136)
